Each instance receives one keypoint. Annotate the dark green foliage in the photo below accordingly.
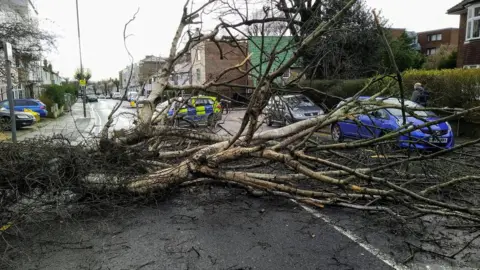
(405, 56)
(352, 50)
(55, 93)
(450, 62)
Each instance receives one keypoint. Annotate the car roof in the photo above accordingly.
(390, 100)
(210, 97)
(290, 96)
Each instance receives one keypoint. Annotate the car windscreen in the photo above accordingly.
(411, 105)
(298, 101)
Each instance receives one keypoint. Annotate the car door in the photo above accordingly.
(32, 105)
(372, 123)
(191, 112)
(20, 105)
(209, 107)
(349, 126)
(200, 109)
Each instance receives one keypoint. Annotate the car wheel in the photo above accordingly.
(211, 120)
(336, 132)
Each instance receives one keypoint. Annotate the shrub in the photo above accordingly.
(48, 102)
(70, 89)
(55, 93)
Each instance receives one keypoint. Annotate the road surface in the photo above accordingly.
(210, 229)
(123, 117)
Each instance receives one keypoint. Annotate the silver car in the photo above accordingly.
(290, 109)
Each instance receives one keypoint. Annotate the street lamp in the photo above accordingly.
(81, 64)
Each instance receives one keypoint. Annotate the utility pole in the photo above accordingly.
(84, 96)
(7, 48)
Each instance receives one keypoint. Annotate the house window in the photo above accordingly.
(198, 74)
(435, 37)
(473, 22)
(199, 56)
(431, 51)
(286, 74)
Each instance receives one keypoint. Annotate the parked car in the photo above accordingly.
(22, 119)
(92, 98)
(197, 109)
(117, 95)
(290, 109)
(101, 96)
(377, 123)
(30, 104)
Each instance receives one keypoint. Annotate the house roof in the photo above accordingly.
(438, 30)
(460, 7)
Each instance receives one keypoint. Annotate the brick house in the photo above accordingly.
(396, 33)
(469, 35)
(430, 41)
(208, 61)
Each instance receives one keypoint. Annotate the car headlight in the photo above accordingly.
(21, 116)
(296, 114)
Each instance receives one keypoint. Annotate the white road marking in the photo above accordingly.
(98, 124)
(374, 251)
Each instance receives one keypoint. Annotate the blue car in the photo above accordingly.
(382, 121)
(22, 104)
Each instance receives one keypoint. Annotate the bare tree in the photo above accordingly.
(116, 82)
(274, 28)
(360, 175)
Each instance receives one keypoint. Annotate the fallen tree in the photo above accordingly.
(158, 157)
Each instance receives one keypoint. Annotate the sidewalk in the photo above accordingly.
(72, 125)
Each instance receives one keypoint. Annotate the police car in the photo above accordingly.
(196, 110)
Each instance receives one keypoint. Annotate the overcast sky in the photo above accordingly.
(102, 23)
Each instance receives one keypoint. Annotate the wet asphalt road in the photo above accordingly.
(216, 228)
(123, 118)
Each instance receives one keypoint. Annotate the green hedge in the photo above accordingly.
(453, 88)
(448, 87)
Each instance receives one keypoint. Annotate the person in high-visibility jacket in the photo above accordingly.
(198, 109)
